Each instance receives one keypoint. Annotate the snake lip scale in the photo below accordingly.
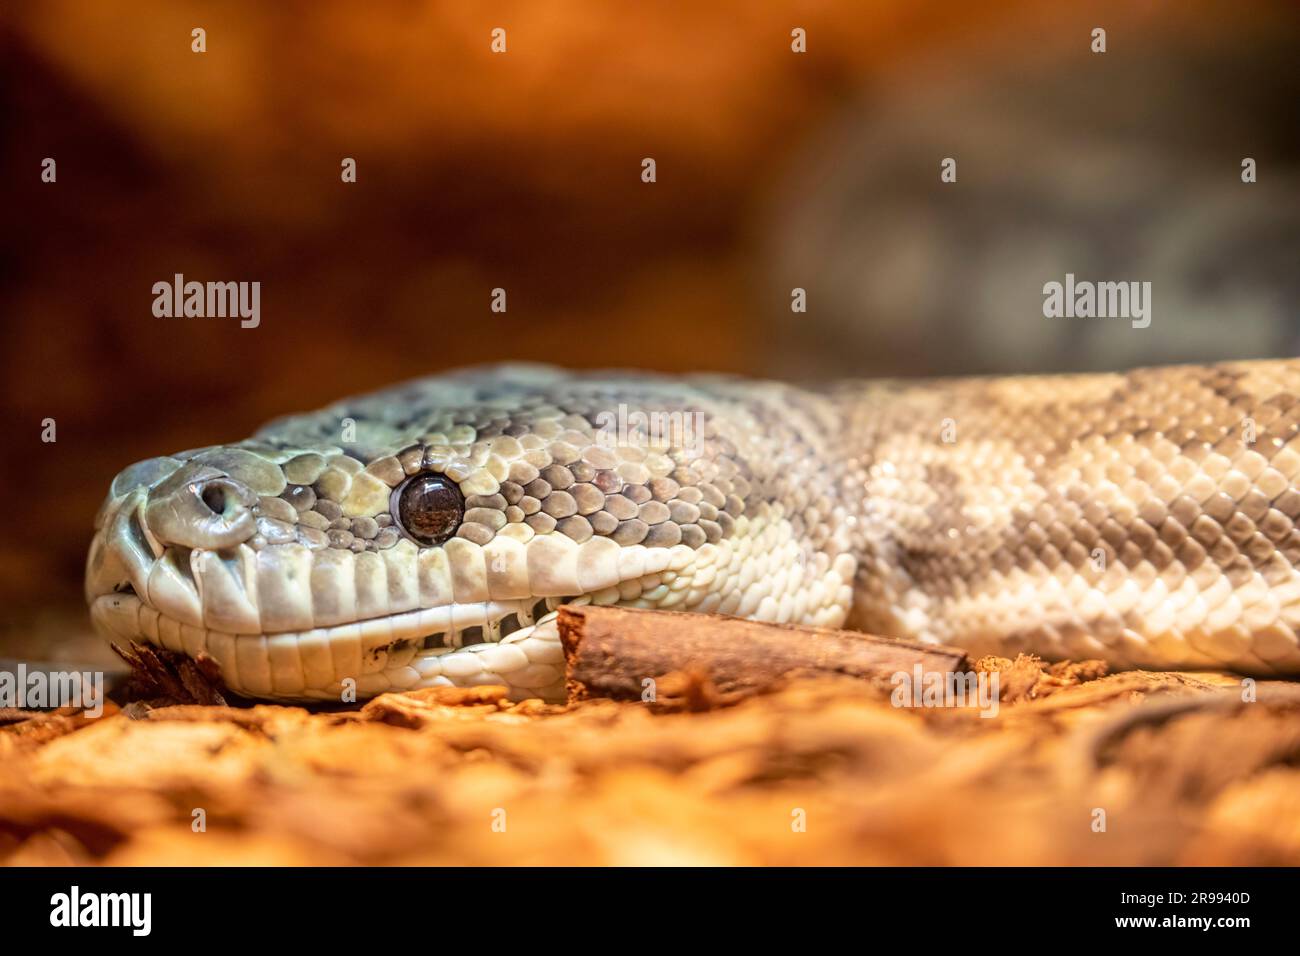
(425, 534)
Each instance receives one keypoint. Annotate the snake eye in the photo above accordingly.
(428, 508)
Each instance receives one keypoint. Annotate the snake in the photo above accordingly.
(427, 534)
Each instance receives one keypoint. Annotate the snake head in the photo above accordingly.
(426, 534)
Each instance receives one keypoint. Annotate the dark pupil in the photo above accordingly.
(429, 508)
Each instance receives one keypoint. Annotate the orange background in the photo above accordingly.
(475, 171)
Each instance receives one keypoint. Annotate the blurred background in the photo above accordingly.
(522, 170)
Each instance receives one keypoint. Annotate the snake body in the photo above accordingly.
(1146, 518)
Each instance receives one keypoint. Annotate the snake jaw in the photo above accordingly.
(346, 662)
(143, 587)
(174, 566)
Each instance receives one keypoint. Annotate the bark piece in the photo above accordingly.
(612, 651)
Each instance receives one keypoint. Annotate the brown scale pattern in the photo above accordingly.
(1147, 518)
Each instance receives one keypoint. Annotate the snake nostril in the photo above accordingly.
(220, 496)
(214, 497)
(202, 512)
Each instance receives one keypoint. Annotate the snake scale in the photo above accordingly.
(425, 534)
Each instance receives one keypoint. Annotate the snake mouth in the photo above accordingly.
(219, 604)
(515, 643)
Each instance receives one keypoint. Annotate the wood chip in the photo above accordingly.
(624, 653)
